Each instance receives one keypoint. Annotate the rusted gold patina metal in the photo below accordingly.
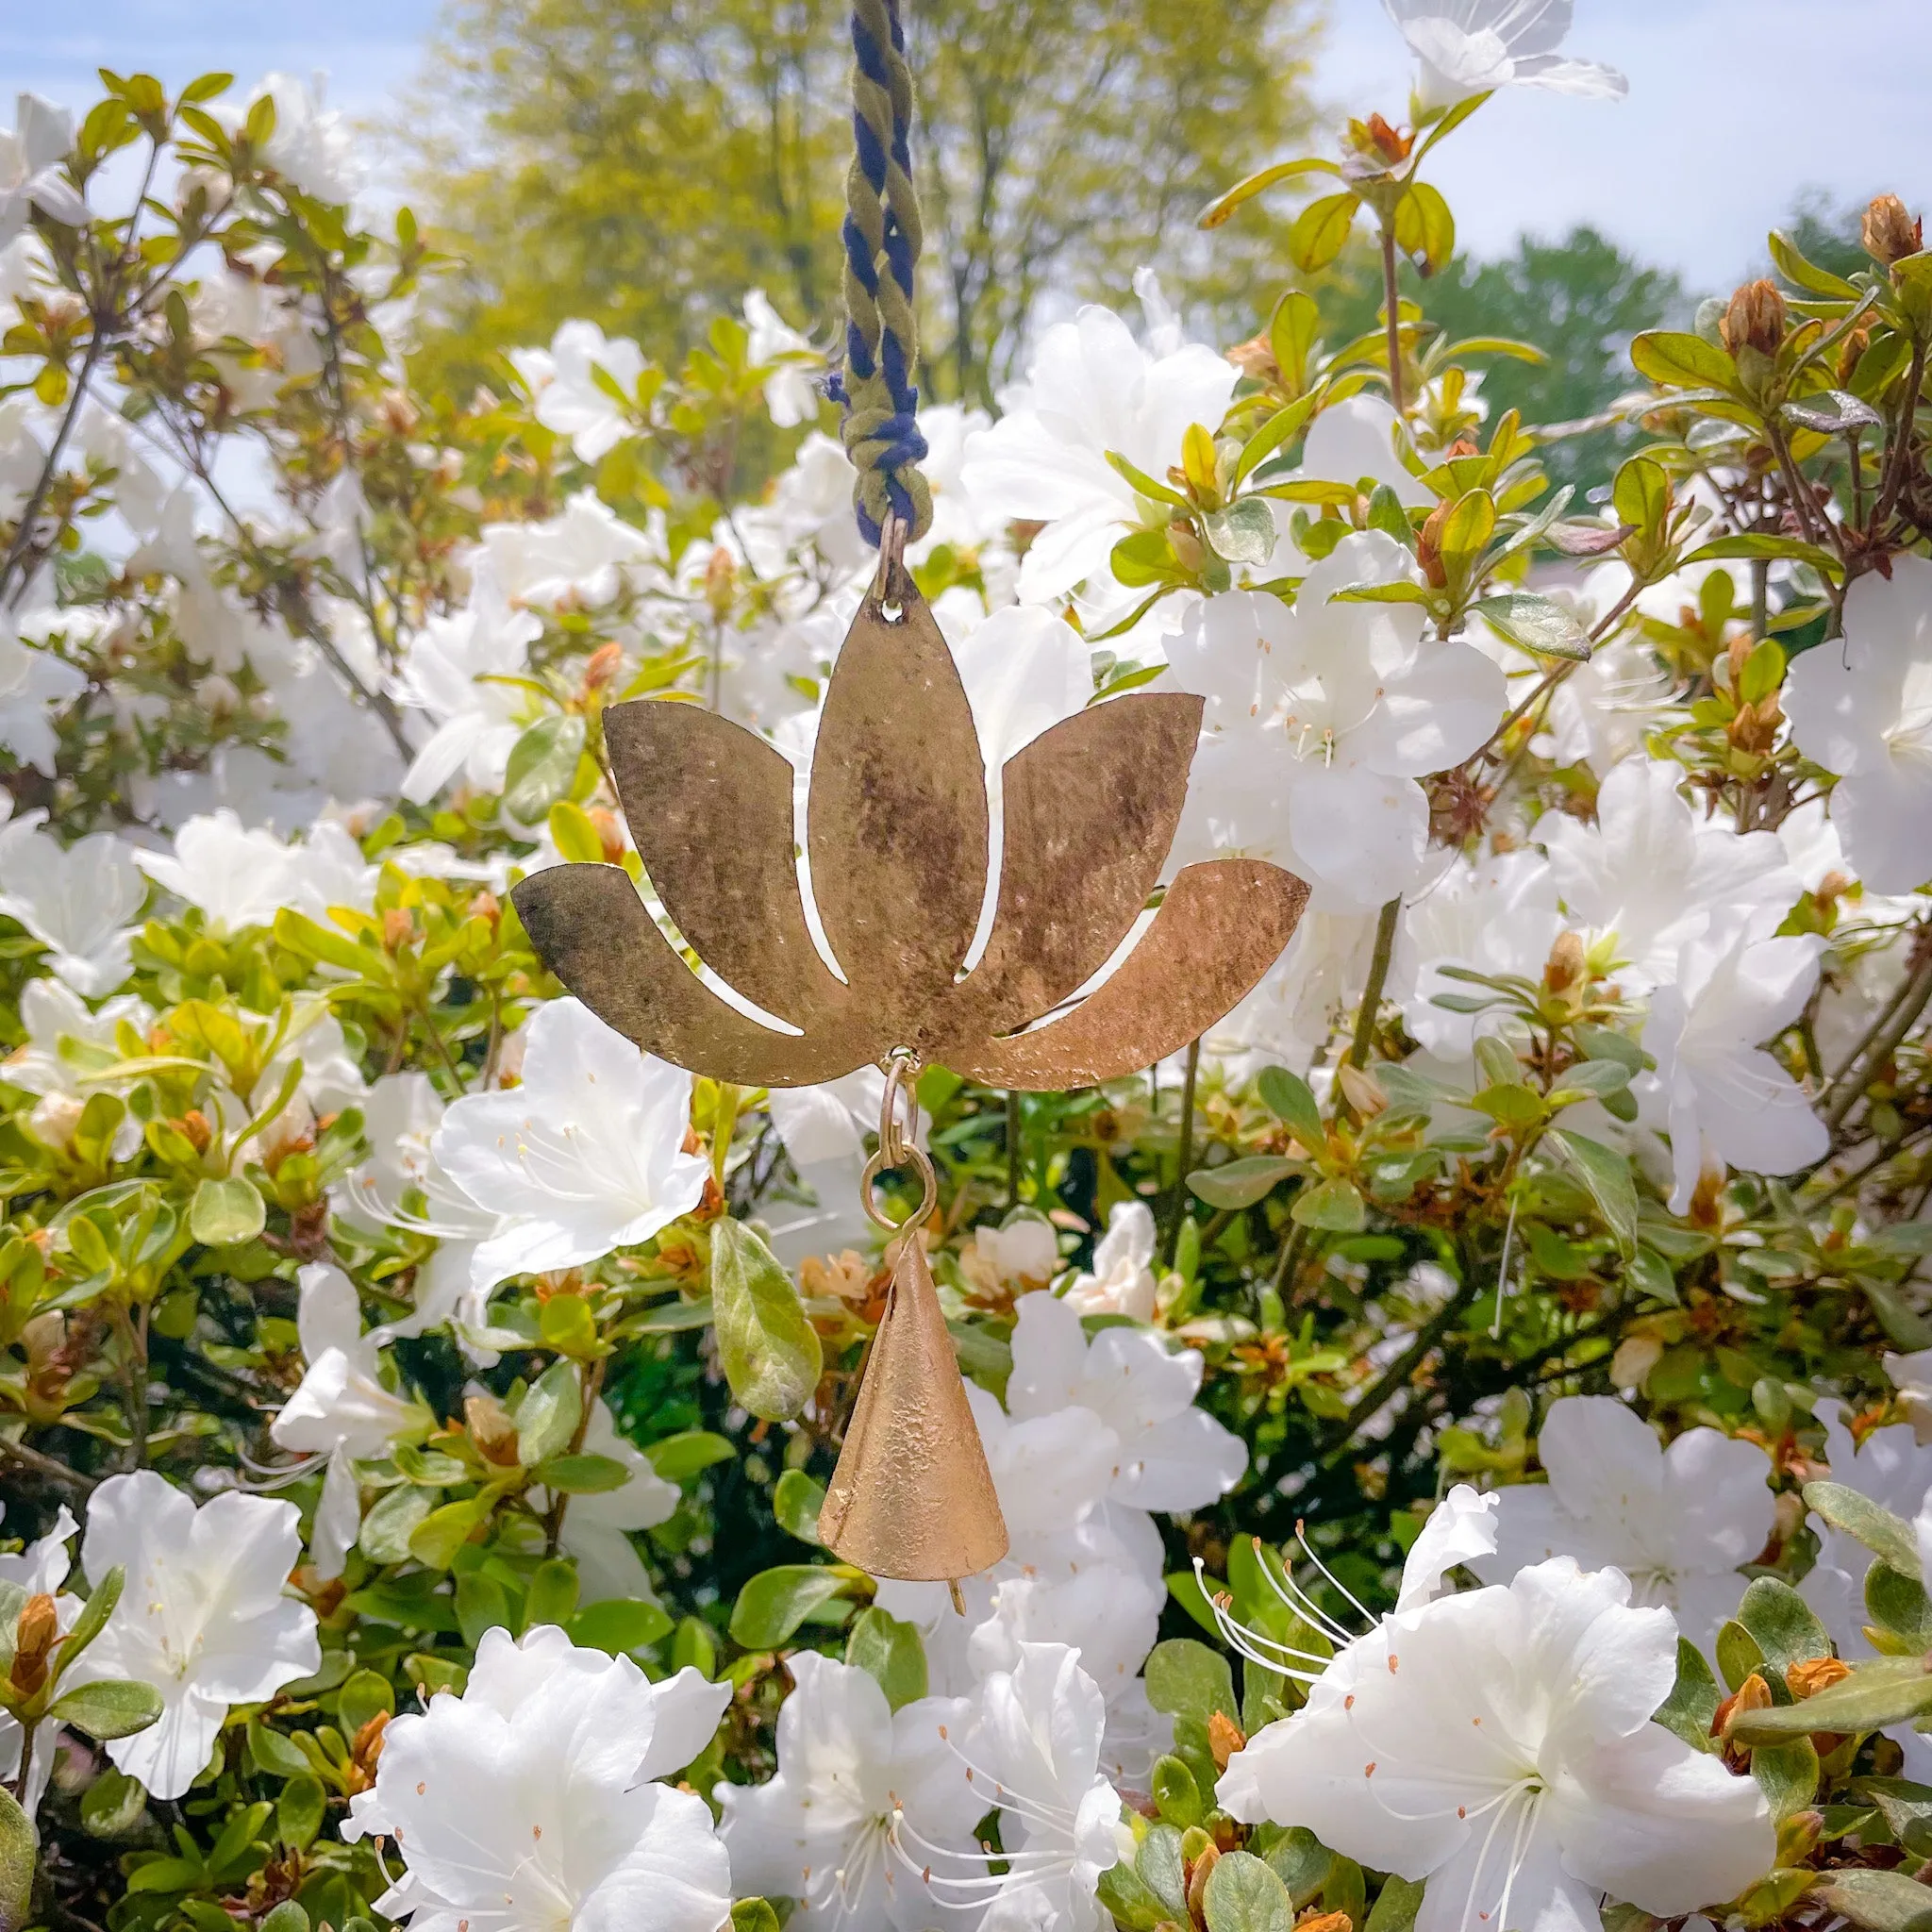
(897, 842)
(911, 1496)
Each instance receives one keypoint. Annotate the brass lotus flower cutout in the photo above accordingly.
(897, 840)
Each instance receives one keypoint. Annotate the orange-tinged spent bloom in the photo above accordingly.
(1756, 319)
(1889, 231)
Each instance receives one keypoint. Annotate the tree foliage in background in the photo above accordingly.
(646, 161)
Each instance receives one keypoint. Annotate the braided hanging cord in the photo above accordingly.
(882, 238)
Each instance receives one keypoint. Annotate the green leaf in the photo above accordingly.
(1591, 1079)
(1885, 1535)
(1689, 1709)
(437, 1538)
(396, 1518)
(1301, 1862)
(299, 1813)
(365, 1694)
(1243, 1896)
(1787, 1775)
(1535, 623)
(581, 1476)
(548, 1415)
(1641, 494)
(20, 1849)
(1149, 487)
(93, 1616)
(1898, 1603)
(543, 762)
(1879, 1900)
(890, 1652)
(1672, 360)
(1289, 1099)
(482, 1606)
(754, 1915)
(112, 1807)
(1782, 1622)
(1281, 427)
(1887, 1691)
(1424, 227)
(619, 1626)
(226, 1213)
(1245, 532)
(1176, 1797)
(1738, 1655)
(1321, 231)
(679, 1457)
(1187, 1679)
(1831, 413)
(109, 1707)
(1239, 1183)
(1758, 544)
(1334, 1205)
(271, 1752)
(1605, 1177)
(796, 1501)
(1395, 1906)
(1224, 205)
(769, 1350)
(775, 1602)
(553, 1593)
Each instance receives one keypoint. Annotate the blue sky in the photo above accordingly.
(1731, 101)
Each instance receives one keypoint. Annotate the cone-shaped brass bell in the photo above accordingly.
(912, 1496)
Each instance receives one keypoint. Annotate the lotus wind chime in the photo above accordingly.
(897, 850)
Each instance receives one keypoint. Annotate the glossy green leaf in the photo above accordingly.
(769, 1350)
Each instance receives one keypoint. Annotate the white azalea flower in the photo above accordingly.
(529, 1803)
(1464, 47)
(791, 389)
(598, 1526)
(1498, 1746)
(1122, 1281)
(1496, 914)
(1654, 874)
(33, 683)
(823, 1128)
(1172, 1454)
(1035, 1754)
(569, 398)
(78, 903)
(1109, 1612)
(582, 557)
(1861, 707)
(30, 158)
(465, 671)
(1091, 388)
(400, 1116)
(202, 1618)
(1722, 1098)
(865, 1798)
(1895, 1471)
(311, 146)
(341, 1409)
(1676, 1522)
(586, 1156)
(1354, 440)
(40, 1570)
(237, 875)
(52, 1014)
(1024, 1254)
(1321, 719)
(1911, 1376)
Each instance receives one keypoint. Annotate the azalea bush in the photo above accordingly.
(1464, 1427)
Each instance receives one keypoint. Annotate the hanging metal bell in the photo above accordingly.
(912, 1496)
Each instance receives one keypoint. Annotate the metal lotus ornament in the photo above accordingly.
(897, 842)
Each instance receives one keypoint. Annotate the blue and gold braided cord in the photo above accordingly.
(882, 238)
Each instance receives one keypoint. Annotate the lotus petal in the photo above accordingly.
(1090, 810)
(897, 817)
(710, 805)
(590, 927)
(1219, 929)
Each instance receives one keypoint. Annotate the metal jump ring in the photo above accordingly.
(899, 1149)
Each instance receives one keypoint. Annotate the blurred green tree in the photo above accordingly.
(643, 162)
(1581, 299)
